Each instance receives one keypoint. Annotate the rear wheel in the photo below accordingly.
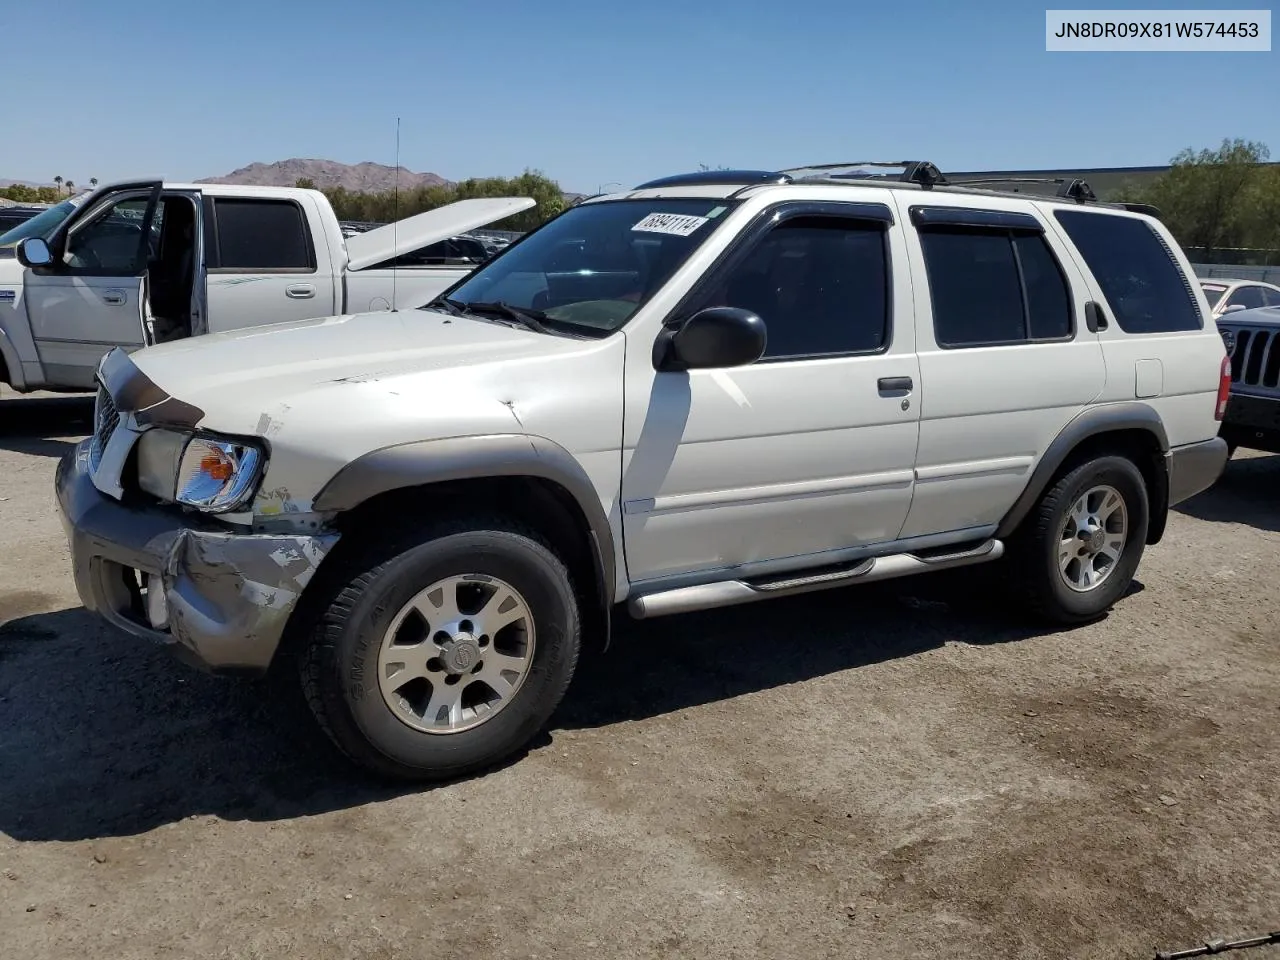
(447, 656)
(1077, 553)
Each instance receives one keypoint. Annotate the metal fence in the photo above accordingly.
(1234, 272)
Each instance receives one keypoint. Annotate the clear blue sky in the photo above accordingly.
(591, 94)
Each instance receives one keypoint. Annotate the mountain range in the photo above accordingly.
(364, 177)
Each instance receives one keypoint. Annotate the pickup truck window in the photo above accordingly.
(109, 244)
(266, 236)
(597, 263)
(41, 225)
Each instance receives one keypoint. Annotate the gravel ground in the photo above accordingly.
(893, 771)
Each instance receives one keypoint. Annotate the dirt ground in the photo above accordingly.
(893, 771)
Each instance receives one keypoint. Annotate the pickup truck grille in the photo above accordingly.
(105, 420)
(1255, 357)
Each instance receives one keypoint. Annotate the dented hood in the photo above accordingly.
(232, 374)
(412, 233)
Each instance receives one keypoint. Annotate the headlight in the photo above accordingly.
(210, 473)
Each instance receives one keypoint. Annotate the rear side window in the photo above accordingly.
(267, 235)
(1136, 271)
(1271, 297)
(991, 286)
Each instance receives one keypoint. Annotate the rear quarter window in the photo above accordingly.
(1143, 285)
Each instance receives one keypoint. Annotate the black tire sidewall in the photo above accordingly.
(1117, 472)
(545, 586)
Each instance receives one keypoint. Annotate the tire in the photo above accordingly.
(344, 664)
(1034, 555)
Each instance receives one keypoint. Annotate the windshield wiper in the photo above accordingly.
(529, 319)
(452, 307)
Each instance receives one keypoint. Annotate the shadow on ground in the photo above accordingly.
(102, 735)
(1248, 492)
(44, 426)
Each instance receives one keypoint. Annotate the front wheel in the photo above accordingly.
(1077, 553)
(445, 657)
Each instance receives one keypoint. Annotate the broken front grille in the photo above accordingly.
(105, 420)
(1255, 357)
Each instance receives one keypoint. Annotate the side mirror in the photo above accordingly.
(34, 252)
(714, 337)
(1234, 308)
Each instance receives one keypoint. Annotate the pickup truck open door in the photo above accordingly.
(94, 295)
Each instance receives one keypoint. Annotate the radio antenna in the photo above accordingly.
(395, 223)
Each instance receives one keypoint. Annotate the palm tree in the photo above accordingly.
(93, 181)
(71, 186)
(58, 181)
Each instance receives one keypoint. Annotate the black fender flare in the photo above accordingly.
(1093, 422)
(424, 462)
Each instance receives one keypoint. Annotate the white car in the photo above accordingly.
(1230, 296)
(145, 262)
(709, 390)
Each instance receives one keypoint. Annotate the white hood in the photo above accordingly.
(236, 374)
(412, 233)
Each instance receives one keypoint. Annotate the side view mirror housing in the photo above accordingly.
(34, 252)
(1234, 308)
(711, 338)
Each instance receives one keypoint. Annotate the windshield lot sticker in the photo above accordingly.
(676, 224)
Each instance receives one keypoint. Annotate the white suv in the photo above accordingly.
(712, 389)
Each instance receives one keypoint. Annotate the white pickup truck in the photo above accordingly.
(145, 261)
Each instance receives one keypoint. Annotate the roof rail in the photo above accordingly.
(926, 174)
(1071, 188)
(743, 178)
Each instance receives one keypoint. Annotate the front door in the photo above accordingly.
(810, 451)
(94, 296)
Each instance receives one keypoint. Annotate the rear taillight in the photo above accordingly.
(1224, 389)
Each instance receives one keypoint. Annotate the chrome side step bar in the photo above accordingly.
(726, 593)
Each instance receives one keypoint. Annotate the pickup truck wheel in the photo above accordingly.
(1077, 553)
(445, 657)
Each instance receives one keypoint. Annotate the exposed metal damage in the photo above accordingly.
(229, 595)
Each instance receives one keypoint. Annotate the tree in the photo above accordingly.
(384, 207)
(93, 181)
(58, 181)
(1212, 200)
(305, 183)
(71, 186)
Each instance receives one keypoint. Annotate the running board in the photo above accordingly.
(727, 593)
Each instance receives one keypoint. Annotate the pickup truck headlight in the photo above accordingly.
(213, 474)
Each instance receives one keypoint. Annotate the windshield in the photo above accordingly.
(41, 225)
(593, 266)
(1214, 292)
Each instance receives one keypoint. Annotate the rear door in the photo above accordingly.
(264, 262)
(94, 297)
(1006, 357)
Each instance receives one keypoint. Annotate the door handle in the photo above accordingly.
(113, 296)
(300, 291)
(1094, 318)
(894, 384)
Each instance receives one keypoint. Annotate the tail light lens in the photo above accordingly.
(1224, 389)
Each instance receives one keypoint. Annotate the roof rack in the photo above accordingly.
(744, 178)
(926, 174)
(1071, 188)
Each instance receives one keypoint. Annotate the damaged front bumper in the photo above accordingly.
(220, 600)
